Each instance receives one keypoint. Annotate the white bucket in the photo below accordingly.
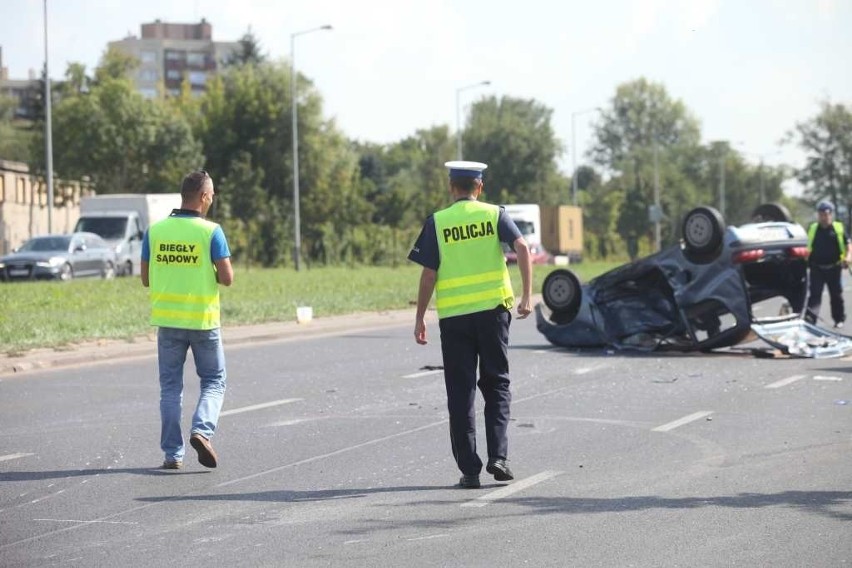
(304, 314)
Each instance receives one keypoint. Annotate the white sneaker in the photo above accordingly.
(838, 325)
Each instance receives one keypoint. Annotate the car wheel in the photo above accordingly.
(108, 273)
(703, 229)
(561, 291)
(771, 212)
(128, 269)
(66, 272)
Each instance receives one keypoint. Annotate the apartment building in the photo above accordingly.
(169, 53)
(24, 91)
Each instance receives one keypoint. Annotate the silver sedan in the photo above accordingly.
(61, 257)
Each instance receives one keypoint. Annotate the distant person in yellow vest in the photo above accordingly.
(184, 259)
(830, 252)
(462, 258)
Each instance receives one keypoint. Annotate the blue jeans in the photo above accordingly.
(172, 344)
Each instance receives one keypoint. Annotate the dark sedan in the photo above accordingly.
(696, 295)
(60, 257)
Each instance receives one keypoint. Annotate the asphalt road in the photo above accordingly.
(335, 452)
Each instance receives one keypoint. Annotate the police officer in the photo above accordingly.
(830, 252)
(462, 258)
(184, 259)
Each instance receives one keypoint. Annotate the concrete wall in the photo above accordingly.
(23, 205)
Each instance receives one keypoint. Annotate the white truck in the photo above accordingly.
(527, 217)
(549, 230)
(122, 219)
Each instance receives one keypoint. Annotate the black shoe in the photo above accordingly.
(469, 482)
(499, 470)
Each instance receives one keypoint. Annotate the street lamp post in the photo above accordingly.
(297, 230)
(761, 181)
(723, 152)
(48, 130)
(574, 116)
(658, 240)
(458, 115)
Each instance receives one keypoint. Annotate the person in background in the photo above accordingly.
(184, 260)
(829, 254)
(460, 250)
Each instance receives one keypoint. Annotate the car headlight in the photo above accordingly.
(2, 265)
(53, 261)
(118, 248)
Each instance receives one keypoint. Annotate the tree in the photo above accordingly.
(248, 53)
(120, 140)
(15, 140)
(245, 117)
(114, 64)
(644, 132)
(516, 139)
(827, 140)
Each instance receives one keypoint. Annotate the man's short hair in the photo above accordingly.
(466, 184)
(194, 183)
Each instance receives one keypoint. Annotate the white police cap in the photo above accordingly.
(460, 168)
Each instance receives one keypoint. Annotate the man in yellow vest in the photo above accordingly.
(460, 250)
(184, 259)
(830, 253)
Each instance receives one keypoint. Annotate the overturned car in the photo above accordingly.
(693, 296)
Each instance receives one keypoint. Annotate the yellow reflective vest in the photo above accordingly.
(472, 273)
(182, 279)
(838, 230)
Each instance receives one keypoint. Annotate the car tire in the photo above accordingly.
(66, 272)
(771, 212)
(108, 272)
(561, 291)
(703, 229)
(128, 269)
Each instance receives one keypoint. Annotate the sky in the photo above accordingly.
(748, 70)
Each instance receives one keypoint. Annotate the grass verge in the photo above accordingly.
(55, 314)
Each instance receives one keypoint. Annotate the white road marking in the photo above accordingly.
(334, 453)
(87, 522)
(546, 350)
(827, 378)
(430, 537)
(511, 489)
(288, 422)
(681, 421)
(259, 406)
(584, 370)
(785, 382)
(423, 374)
(13, 457)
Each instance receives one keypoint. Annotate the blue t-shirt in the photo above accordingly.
(425, 250)
(218, 243)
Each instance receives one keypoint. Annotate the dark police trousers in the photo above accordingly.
(480, 338)
(825, 276)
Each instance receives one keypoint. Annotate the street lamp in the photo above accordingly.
(297, 248)
(458, 115)
(761, 157)
(48, 130)
(574, 116)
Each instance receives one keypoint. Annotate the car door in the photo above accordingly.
(94, 255)
(102, 254)
(77, 255)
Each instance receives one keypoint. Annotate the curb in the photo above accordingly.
(146, 346)
(110, 350)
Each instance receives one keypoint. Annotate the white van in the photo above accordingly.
(122, 219)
